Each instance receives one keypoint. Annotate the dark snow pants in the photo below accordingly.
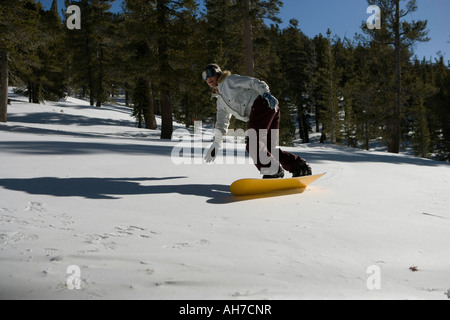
(262, 140)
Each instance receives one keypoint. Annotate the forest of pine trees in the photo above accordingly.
(359, 92)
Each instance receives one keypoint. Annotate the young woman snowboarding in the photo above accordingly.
(250, 100)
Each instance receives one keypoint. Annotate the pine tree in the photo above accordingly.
(274, 74)
(223, 35)
(330, 95)
(188, 59)
(316, 87)
(237, 28)
(164, 69)
(91, 49)
(57, 58)
(400, 35)
(143, 103)
(345, 69)
(253, 15)
(165, 54)
(419, 87)
(166, 13)
(439, 104)
(421, 141)
(294, 57)
(349, 124)
(139, 59)
(18, 29)
(46, 79)
(360, 96)
(445, 112)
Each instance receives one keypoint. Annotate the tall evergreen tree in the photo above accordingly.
(329, 94)
(18, 33)
(90, 49)
(316, 87)
(188, 60)
(399, 34)
(46, 79)
(274, 68)
(165, 72)
(236, 28)
(362, 92)
(294, 57)
(223, 34)
(439, 106)
(254, 15)
(421, 141)
(139, 59)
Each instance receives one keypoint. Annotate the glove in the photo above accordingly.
(273, 102)
(212, 152)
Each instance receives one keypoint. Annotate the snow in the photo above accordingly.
(82, 186)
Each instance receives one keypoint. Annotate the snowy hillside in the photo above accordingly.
(82, 189)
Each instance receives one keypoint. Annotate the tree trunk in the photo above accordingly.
(99, 91)
(305, 127)
(164, 67)
(3, 86)
(394, 130)
(91, 87)
(149, 115)
(139, 117)
(166, 116)
(248, 41)
(35, 93)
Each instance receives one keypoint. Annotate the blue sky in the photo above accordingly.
(344, 18)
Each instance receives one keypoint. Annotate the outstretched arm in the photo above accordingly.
(221, 129)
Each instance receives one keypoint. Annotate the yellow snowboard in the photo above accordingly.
(246, 187)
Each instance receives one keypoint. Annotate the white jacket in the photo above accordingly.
(236, 97)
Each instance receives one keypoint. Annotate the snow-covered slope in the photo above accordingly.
(85, 193)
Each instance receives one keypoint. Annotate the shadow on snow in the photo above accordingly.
(110, 188)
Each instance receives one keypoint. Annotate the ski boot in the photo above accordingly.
(302, 170)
